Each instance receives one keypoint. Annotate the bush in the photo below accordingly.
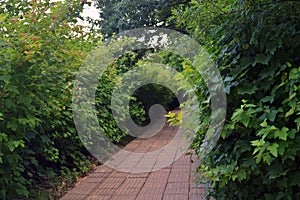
(254, 45)
(40, 51)
(110, 79)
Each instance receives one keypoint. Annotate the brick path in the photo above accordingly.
(173, 182)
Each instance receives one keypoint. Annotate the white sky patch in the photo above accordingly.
(89, 11)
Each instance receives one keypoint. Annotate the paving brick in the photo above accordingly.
(170, 178)
(177, 188)
(166, 158)
(142, 149)
(136, 143)
(169, 167)
(156, 196)
(148, 159)
(141, 169)
(129, 162)
(175, 197)
(127, 191)
(103, 168)
(181, 169)
(157, 178)
(130, 148)
(127, 197)
(134, 182)
(83, 188)
(94, 180)
(179, 177)
(74, 197)
(138, 175)
(151, 194)
(103, 192)
(98, 197)
(162, 164)
(118, 174)
(150, 184)
(183, 161)
(198, 191)
(112, 182)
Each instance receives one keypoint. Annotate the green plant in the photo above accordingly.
(41, 48)
(119, 16)
(253, 43)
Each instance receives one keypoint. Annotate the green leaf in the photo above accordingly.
(13, 89)
(268, 99)
(3, 16)
(249, 89)
(281, 134)
(297, 120)
(267, 158)
(13, 125)
(271, 48)
(295, 179)
(292, 133)
(273, 148)
(3, 137)
(290, 112)
(246, 61)
(242, 175)
(179, 116)
(5, 78)
(294, 74)
(245, 119)
(11, 146)
(292, 96)
(281, 148)
(262, 59)
(272, 115)
(264, 123)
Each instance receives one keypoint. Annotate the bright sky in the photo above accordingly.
(89, 11)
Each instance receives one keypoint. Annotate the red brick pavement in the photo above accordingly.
(173, 182)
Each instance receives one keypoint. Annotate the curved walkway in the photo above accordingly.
(174, 182)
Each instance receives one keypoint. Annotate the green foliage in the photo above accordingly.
(118, 16)
(151, 94)
(110, 79)
(174, 118)
(41, 48)
(255, 45)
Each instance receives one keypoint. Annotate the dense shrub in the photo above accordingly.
(108, 82)
(256, 46)
(41, 48)
(41, 52)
